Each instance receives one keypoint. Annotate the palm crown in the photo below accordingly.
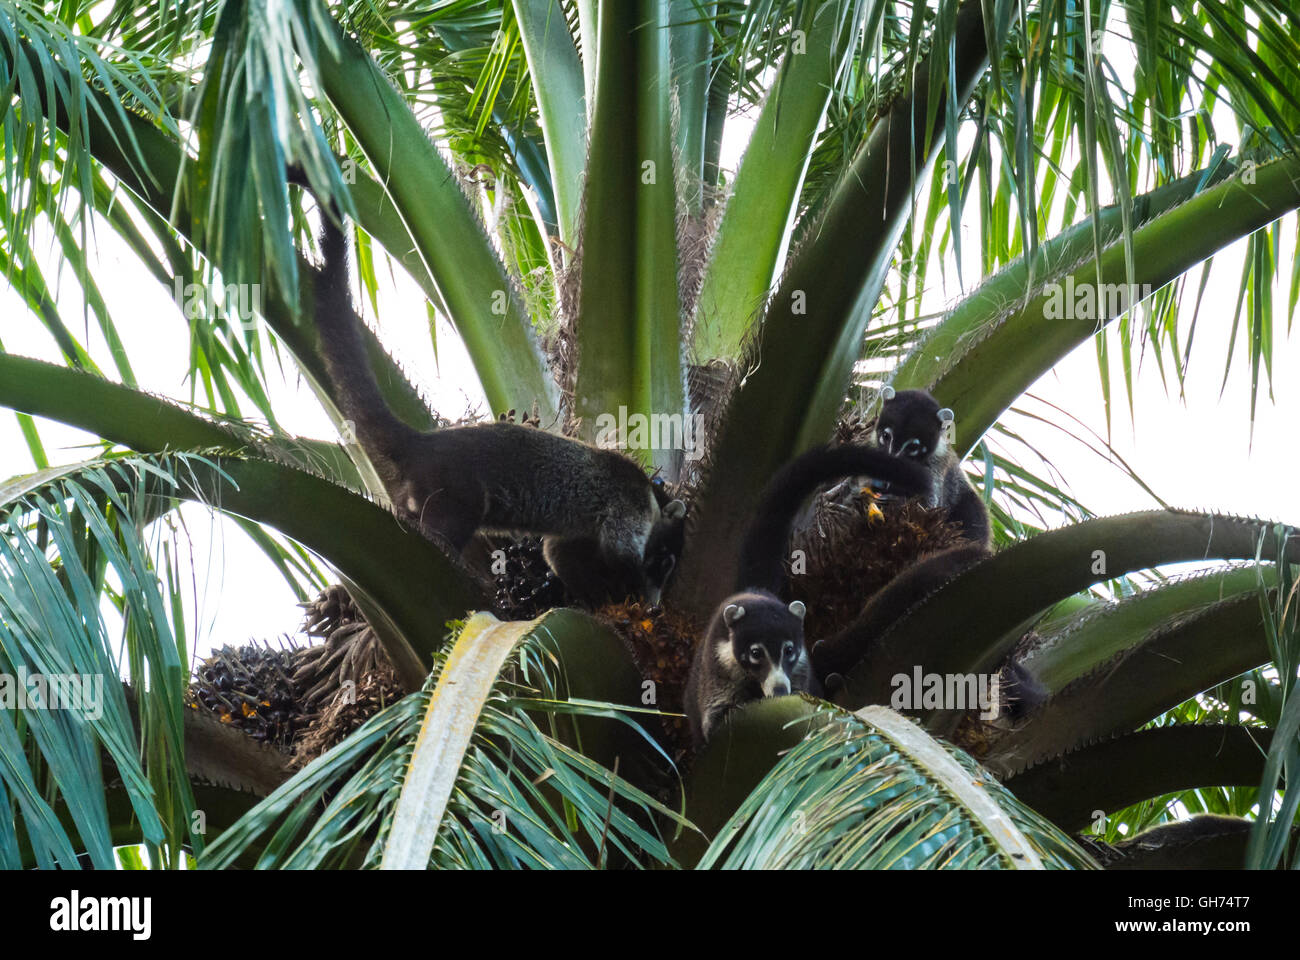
(548, 173)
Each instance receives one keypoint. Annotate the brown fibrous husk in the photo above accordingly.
(344, 714)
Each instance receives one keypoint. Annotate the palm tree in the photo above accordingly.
(548, 173)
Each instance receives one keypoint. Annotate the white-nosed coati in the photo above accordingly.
(606, 534)
(755, 647)
(912, 426)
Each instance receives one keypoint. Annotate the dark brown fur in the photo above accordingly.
(596, 508)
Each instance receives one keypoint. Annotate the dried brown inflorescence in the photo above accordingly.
(344, 714)
(345, 680)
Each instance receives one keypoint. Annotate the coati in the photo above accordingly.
(607, 533)
(764, 545)
(912, 425)
(841, 651)
(755, 647)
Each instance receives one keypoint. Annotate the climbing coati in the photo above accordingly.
(764, 547)
(912, 425)
(606, 534)
(755, 647)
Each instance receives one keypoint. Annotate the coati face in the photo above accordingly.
(767, 643)
(663, 547)
(911, 424)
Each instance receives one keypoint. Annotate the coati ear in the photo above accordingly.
(732, 613)
(674, 510)
(797, 608)
(945, 414)
(886, 393)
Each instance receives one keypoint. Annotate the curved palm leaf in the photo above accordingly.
(1009, 324)
(760, 213)
(629, 324)
(1047, 568)
(512, 794)
(873, 790)
(556, 73)
(1107, 776)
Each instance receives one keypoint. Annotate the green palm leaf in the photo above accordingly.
(1048, 568)
(59, 541)
(1008, 322)
(507, 788)
(1110, 775)
(872, 790)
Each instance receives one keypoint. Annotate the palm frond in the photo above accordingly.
(872, 790)
(520, 798)
(67, 538)
(49, 70)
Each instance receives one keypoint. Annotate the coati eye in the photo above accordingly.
(912, 448)
(886, 435)
(756, 653)
(788, 651)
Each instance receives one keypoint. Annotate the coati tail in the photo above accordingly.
(970, 512)
(763, 548)
(381, 434)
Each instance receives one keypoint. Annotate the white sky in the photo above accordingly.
(1195, 454)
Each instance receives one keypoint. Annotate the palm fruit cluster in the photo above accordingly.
(662, 644)
(525, 586)
(854, 545)
(253, 688)
(302, 700)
